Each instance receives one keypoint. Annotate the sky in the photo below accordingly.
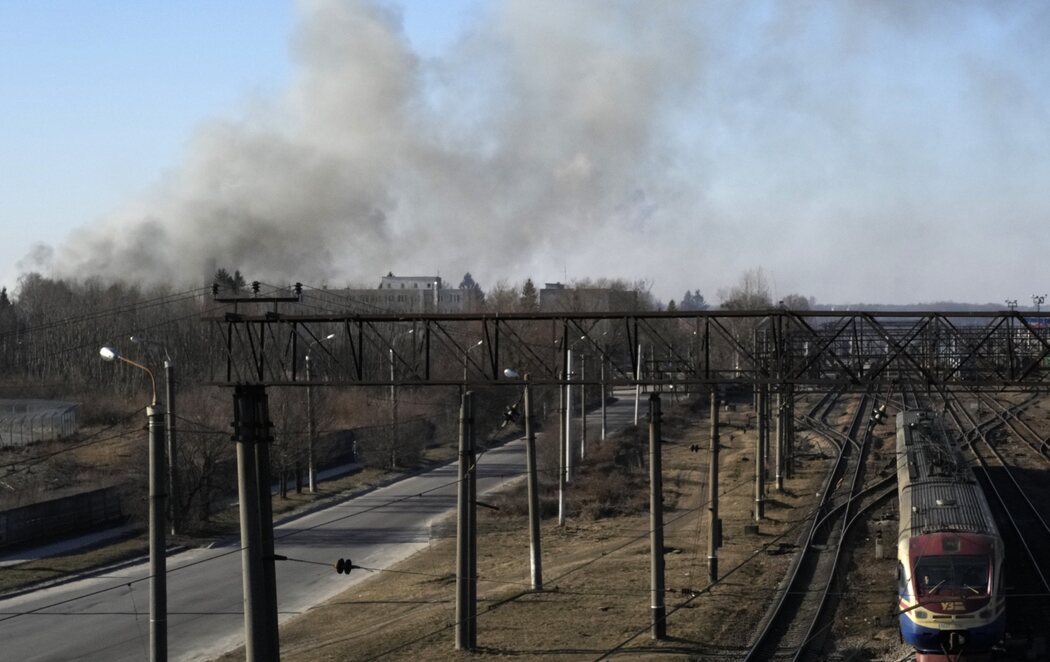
(890, 152)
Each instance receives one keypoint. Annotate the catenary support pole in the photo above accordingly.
(174, 501)
(583, 407)
(561, 456)
(472, 500)
(158, 582)
(656, 522)
(789, 420)
(465, 610)
(252, 577)
(605, 395)
(263, 482)
(569, 451)
(393, 413)
(535, 556)
(714, 525)
(778, 410)
(311, 431)
(638, 384)
(760, 453)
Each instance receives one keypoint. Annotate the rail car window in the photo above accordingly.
(952, 575)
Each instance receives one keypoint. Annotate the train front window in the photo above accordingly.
(952, 575)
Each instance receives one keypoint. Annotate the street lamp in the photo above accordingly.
(583, 396)
(158, 602)
(1038, 300)
(311, 425)
(466, 356)
(535, 558)
(169, 430)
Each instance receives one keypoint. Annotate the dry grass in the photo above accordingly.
(596, 573)
(58, 567)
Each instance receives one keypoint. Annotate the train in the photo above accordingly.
(952, 602)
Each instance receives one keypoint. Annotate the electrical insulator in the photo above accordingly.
(695, 448)
(298, 289)
(255, 287)
(215, 289)
(343, 566)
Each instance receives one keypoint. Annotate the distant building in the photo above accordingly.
(402, 294)
(559, 298)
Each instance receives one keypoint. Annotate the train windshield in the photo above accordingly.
(959, 575)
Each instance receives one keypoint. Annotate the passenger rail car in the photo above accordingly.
(949, 552)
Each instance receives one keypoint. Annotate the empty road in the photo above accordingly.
(107, 617)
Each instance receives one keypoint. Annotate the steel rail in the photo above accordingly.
(763, 647)
(1011, 415)
(1023, 534)
(846, 522)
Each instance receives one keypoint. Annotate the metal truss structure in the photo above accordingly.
(849, 350)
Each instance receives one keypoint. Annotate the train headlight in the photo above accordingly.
(921, 614)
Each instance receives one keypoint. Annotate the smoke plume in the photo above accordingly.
(677, 141)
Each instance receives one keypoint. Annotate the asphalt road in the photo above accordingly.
(107, 617)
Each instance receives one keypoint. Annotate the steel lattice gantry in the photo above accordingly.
(852, 350)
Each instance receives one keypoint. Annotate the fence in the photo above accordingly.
(26, 421)
(78, 513)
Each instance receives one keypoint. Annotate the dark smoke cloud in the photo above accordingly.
(832, 143)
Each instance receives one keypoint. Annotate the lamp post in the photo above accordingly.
(569, 454)
(158, 601)
(466, 357)
(311, 424)
(169, 430)
(535, 559)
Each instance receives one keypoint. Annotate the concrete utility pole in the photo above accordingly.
(656, 521)
(173, 466)
(638, 384)
(789, 430)
(779, 434)
(535, 557)
(311, 421)
(714, 524)
(263, 482)
(311, 432)
(605, 395)
(583, 407)
(561, 456)
(251, 425)
(393, 413)
(790, 413)
(760, 452)
(158, 593)
(466, 578)
(569, 374)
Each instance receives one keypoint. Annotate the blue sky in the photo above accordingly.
(100, 98)
(857, 151)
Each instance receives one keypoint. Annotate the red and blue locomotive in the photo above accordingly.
(950, 555)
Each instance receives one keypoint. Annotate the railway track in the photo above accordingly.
(792, 628)
(1010, 416)
(1023, 526)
